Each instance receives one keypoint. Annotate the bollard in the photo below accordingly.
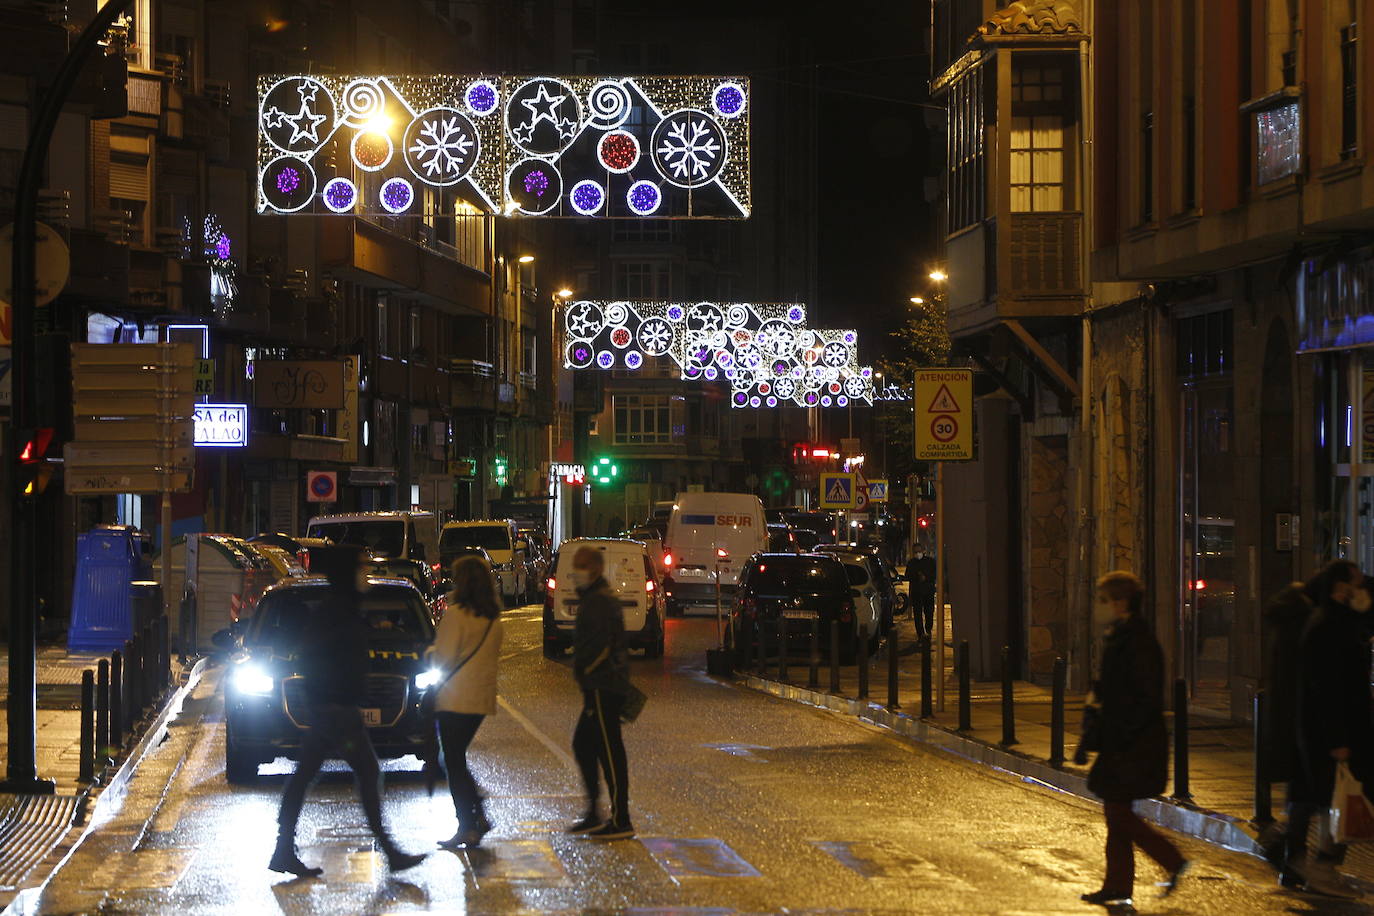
(863, 661)
(87, 744)
(813, 677)
(131, 679)
(1057, 713)
(149, 665)
(965, 700)
(1181, 740)
(1264, 802)
(892, 698)
(782, 650)
(102, 710)
(164, 654)
(834, 656)
(116, 701)
(1008, 701)
(927, 695)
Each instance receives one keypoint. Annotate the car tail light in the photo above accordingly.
(667, 561)
(748, 606)
(649, 586)
(551, 584)
(722, 553)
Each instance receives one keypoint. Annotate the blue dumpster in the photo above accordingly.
(109, 558)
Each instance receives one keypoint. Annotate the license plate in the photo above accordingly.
(685, 573)
(372, 717)
(570, 605)
(798, 613)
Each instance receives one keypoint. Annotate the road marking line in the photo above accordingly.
(543, 739)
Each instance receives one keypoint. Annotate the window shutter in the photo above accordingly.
(128, 181)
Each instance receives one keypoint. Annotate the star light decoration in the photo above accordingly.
(765, 351)
(481, 138)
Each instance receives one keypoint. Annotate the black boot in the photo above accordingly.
(284, 859)
(400, 861)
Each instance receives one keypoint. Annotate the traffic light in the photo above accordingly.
(501, 471)
(34, 469)
(923, 521)
(604, 471)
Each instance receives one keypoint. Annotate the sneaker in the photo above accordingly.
(586, 825)
(1172, 884)
(609, 831)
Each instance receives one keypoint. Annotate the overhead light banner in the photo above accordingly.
(573, 146)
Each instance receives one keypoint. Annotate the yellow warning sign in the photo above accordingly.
(837, 491)
(944, 428)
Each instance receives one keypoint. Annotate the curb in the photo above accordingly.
(1213, 827)
(25, 900)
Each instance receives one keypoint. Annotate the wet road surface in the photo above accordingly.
(743, 803)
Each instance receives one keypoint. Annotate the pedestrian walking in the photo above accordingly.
(1129, 737)
(602, 669)
(466, 648)
(332, 646)
(920, 573)
(1334, 710)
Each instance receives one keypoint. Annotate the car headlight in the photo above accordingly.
(427, 679)
(251, 679)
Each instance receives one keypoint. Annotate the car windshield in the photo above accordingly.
(783, 574)
(490, 537)
(381, 537)
(391, 613)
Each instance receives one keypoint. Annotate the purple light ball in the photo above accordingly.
(587, 198)
(729, 100)
(222, 249)
(481, 98)
(536, 183)
(288, 180)
(644, 198)
(396, 195)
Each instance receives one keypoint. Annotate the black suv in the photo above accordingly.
(798, 588)
(264, 691)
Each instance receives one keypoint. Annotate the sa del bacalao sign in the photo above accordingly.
(576, 146)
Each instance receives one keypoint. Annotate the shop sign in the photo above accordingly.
(286, 383)
(1336, 302)
(572, 474)
(222, 425)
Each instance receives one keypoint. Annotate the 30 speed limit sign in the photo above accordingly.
(944, 415)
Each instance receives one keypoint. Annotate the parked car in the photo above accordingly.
(298, 547)
(824, 524)
(409, 535)
(710, 535)
(653, 540)
(264, 692)
(538, 553)
(807, 540)
(781, 539)
(797, 588)
(630, 573)
(886, 579)
(869, 606)
(507, 550)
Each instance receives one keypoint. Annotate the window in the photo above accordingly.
(469, 235)
(1278, 142)
(1189, 153)
(416, 332)
(530, 353)
(966, 151)
(1147, 166)
(1204, 345)
(1037, 163)
(643, 279)
(383, 347)
(1350, 65)
(642, 230)
(644, 419)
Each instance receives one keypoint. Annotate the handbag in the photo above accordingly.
(634, 702)
(1352, 816)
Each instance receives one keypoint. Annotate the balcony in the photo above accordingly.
(1029, 267)
(360, 250)
(1044, 255)
(472, 386)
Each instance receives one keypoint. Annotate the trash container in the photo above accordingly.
(108, 560)
(146, 597)
(223, 580)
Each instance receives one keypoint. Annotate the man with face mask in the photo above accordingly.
(1334, 710)
(920, 574)
(602, 669)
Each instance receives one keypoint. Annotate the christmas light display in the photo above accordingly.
(219, 252)
(631, 147)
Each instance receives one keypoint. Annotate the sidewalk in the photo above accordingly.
(32, 827)
(1221, 752)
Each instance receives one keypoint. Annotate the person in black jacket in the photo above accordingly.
(602, 669)
(1334, 709)
(1131, 741)
(333, 650)
(920, 573)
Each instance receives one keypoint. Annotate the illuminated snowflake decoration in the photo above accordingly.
(689, 148)
(655, 336)
(441, 146)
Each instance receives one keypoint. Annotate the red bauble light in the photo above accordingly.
(619, 151)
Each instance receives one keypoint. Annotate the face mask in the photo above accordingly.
(1360, 601)
(581, 577)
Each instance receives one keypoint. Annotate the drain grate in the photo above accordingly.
(30, 826)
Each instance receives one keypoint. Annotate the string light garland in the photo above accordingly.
(219, 252)
(685, 154)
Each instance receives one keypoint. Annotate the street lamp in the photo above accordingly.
(564, 293)
(917, 300)
(526, 259)
(938, 275)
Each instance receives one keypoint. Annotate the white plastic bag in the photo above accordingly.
(1352, 816)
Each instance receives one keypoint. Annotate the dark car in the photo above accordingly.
(807, 540)
(449, 555)
(885, 578)
(796, 588)
(781, 539)
(822, 523)
(264, 692)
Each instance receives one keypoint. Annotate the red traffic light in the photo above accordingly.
(923, 522)
(35, 444)
(34, 471)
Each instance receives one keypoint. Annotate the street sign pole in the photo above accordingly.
(21, 772)
(939, 634)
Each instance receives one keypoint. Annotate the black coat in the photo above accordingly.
(1132, 742)
(333, 648)
(600, 661)
(1285, 618)
(1334, 706)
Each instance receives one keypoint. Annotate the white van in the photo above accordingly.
(629, 572)
(710, 534)
(499, 538)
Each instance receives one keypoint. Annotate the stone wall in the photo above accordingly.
(1049, 534)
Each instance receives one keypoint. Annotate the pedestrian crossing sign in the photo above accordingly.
(877, 491)
(837, 491)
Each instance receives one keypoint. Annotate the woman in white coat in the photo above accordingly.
(466, 647)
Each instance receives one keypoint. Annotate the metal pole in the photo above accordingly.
(21, 769)
(892, 684)
(102, 708)
(1008, 709)
(965, 700)
(939, 635)
(1264, 802)
(720, 626)
(1181, 740)
(86, 769)
(1057, 713)
(863, 661)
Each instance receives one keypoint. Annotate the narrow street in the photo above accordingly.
(743, 803)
